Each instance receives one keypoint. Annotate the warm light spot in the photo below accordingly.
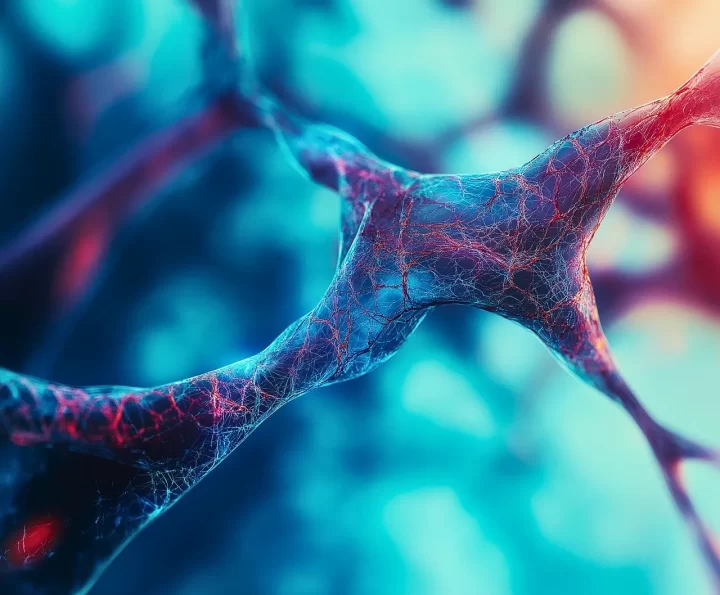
(631, 8)
(33, 541)
(666, 55)
(706, 197)
(715, 544)
(81, 262)
(656, 176)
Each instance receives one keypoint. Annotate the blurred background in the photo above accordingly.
(469, 464)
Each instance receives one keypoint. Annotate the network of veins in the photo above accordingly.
(512, 242)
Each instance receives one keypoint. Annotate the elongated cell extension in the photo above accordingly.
(512, 242)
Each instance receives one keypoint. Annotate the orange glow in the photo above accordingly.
(656, 175)
(705, 181)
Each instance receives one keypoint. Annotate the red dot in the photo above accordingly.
(33, 541)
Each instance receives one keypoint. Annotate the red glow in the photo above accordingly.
(82, 261)
(33, 541)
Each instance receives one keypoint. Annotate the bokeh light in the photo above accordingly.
(470, 462)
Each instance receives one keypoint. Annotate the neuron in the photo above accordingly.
(85, 469)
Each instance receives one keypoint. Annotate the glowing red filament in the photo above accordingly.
(33, 541)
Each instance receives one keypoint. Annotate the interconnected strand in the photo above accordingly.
(511, 242)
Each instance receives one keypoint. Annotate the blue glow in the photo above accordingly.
(173, 48)
(629, 243)
(447, 398)
(599, 466)
(447, 552)
(470, 463)
(497, 146)
(510, 354)
(175, 324)
(457, 72)
(10, 79)
(70, 27)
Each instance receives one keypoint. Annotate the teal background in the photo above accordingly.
(469, 464)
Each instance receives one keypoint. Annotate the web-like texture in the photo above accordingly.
(511, 242)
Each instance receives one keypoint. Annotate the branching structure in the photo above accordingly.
(51, 268)
(88, 468)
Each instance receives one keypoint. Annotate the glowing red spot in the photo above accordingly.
(81, 261)
(33, 541)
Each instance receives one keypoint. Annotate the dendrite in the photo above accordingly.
(511, 242)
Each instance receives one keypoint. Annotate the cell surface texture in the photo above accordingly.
(83, 470)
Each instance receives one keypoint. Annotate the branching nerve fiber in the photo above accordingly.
(511, 242)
